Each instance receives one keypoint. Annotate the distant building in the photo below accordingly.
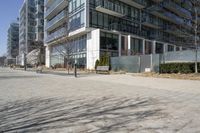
(2, 60)
(13, 42)
(31, 27)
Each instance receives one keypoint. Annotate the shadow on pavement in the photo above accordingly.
(77, 115)
(16, 77)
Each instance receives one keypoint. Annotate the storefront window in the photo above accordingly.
(109, 43)
(159, 48)
(136, 46)
(75, 48)
(148, 47)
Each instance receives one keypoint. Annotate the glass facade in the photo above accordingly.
(76, 14)
(75, 49)
(159, 48)
(148, 47)
(170, 48)
(153, 24)
(136, 46)
(109, 43)
(124, 45)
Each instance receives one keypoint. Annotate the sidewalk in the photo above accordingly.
(58, 72)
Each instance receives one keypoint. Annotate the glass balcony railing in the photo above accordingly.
(174, 17)
(110, 6)
(179, 10)
(57, 34)
(56, 19)
(53, 6)
(181, 32)
(142, 2)
(127, 28)
(150, 20)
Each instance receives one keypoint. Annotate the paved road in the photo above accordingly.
(31, 102)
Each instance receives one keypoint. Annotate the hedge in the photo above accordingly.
(178, 68)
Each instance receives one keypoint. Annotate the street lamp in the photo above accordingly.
(25, 66)
(75, 68)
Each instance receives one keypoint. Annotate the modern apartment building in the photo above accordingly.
(116, 27)
(31, 28)
(13, 41)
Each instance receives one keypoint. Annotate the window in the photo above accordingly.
(76, 21)
(148, 47)
(109, 41)
(159, 48)
(100, 19)
(136, 46)
(75, 5)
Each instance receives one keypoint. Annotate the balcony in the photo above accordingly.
(150, 22)
(187, 24)
(136, 3)
(127, 29)
(172, 6)
(108, 7)
(161, 13)
(56, 35)
(176, 31)
(157, 1)
(55, 8)
(57, 21)
(155, 36)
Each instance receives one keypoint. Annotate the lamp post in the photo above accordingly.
(195, 40)
(25, 66)
(75, 68)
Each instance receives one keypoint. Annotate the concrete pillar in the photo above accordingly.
(165, 47)
(120, 45)
(154, 47)
(174, 47)
(181, 48)
(48, 56)
(93, 48)
(129, 45)
(143, 46)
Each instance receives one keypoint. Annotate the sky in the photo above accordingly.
(9, 11)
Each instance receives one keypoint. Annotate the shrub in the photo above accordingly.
(178, 68)
(104, 60)
(97, 63)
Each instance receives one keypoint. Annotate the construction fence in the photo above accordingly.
(151, 63)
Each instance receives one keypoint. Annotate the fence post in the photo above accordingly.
(139, 62)
(151, 62)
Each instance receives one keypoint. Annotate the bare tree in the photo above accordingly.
(39, 46)
(65, 51)
(36, 56)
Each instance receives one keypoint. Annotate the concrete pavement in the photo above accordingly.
(31, 102)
